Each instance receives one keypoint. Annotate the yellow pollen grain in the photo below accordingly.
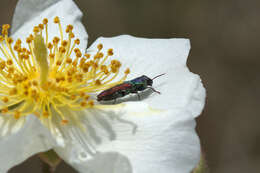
(87, 55)
(77, 41)
(36, 29)
(45, 21)
(50, 46)
(83, 104)
(98, 82)
(91, 103)
(9, 62)
(6, 26)
(64, 122)
(82, 94)
(17, 115)
(4, 110)
(5, 99)
(2, 65)
(45, 114)
(13, 91)
(78, 54)
(56, 20)
(41, 26)
(110, 52)
(100, 46)
(68, 60)
(71, 35)
(86, 97)
(64, 43)
(73, 97)
(10, 40)
(127, 71)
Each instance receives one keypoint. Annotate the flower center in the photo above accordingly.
(44, 76)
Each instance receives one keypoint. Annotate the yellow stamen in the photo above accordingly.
(47, 76)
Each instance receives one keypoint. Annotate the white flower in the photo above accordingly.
(153, 135)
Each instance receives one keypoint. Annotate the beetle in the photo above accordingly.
(133, 86)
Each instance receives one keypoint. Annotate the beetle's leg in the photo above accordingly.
(136, 92)
(115, 101)
(154, 90)
(139, 98)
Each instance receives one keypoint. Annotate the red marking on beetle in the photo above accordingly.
(114, 89)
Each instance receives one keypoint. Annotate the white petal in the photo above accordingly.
(26, 10)
(9, 125)
(165, 139)
(180, 89)
(135, 138)
(31, 138)
(30, 13)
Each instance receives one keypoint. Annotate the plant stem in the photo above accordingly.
(46, 168)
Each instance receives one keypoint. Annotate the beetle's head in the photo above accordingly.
(148, 80)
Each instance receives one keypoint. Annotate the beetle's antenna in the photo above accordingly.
(158, 76)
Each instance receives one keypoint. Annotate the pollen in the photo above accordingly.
(64, 122)
(42, 75)
(5, 99)
(4, 110)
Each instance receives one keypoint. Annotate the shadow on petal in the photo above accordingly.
(111, 162)
(100, 124)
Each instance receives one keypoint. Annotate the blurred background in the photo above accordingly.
(225, 52)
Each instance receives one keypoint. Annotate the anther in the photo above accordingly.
(58, 62)
(2, 65)
(64, 122)
(6, 26)
(97, 82)
(110, 52)
(86, 97)
(64, 43)
(56, 20)
(70, 27)
(1, 38)
(41, 26)
(73, 97)
(10, 40)
(36, 29)
(49, 46)
(13, 91)
(5, 99)
(100, 46)
(87, 55)
(68, 60)
(9, 62)
(71, 35)
(56, 40)
(127, 71)
(91, 103)
(78, 54)
(10, 70)
(4, 110)
(35, 83)
(45, 21)
(77, 41)
(17, 115)
(45, 114)
(83, 104)
(82, 94)
(62, 50)
(51, 55)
